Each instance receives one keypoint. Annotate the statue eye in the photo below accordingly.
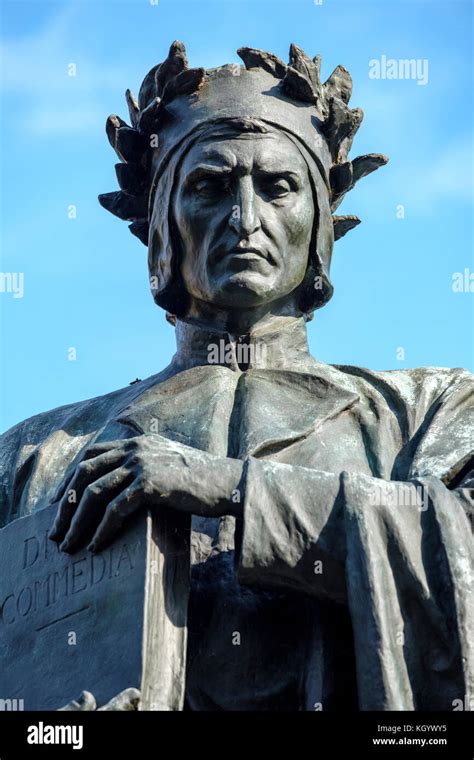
(277, 187)
(209, 187)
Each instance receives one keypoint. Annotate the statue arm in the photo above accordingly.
(404, 569)
(295, 518)
(398, 553)
(297, 522)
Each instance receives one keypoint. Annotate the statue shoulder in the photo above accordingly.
(39, 449)
(80, 417)
(411, 384)
(411, 394)
(70, 417)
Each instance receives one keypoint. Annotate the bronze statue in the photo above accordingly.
(330, 504)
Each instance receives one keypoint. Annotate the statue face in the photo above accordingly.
(243, 209)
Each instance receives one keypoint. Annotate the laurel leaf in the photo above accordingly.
(364, 165)
(124, 206)
(341, 181)
(186, 83)
(174, 64)
(131, 178)
(133, 107)
(305, 66)
(340, 127)
(298, 86)
(339, 84)
(140, 229)
(342, 225)
(150, 117)
(254, 58)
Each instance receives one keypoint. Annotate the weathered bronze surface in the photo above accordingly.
(331, 544)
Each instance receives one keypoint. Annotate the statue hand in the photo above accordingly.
(126, 700)
(116, 478)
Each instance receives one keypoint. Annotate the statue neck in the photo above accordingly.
(277, 342)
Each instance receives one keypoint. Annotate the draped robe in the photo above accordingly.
(347, 584)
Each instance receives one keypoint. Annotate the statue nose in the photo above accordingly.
(244, 218)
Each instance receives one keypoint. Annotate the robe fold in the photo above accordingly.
(347, 584)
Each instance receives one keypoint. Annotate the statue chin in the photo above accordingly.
(246, 289)
(240, 293)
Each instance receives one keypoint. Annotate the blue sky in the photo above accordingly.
(85, 279)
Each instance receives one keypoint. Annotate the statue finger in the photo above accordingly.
(86, 471)
(84, 703)
(126, 700)
(115, 515)
(96, 449)
(91, 452)
(92, 506)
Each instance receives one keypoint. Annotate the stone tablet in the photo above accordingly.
(94, 622)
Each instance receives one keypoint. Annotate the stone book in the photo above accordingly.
(98, 622)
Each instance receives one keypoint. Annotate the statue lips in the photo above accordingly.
(245, 257)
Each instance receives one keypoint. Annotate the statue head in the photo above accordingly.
(231, 176)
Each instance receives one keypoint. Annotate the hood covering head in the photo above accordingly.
(179, 106)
